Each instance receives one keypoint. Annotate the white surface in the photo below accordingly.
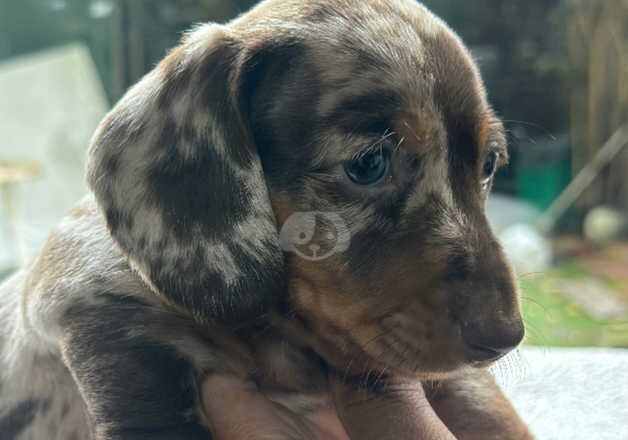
(569, 394)
(50, 104)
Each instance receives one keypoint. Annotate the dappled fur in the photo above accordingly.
(172, 267)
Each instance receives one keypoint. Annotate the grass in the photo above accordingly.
(552, 320)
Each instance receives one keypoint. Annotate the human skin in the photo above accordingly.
(245, 413)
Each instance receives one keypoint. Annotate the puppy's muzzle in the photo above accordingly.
(487, 343)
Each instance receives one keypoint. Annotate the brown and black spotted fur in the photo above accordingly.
(172, 267)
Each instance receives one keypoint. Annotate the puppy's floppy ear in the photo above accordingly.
(177, 175)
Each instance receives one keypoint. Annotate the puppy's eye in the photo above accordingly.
(370, 168)
(489, 167)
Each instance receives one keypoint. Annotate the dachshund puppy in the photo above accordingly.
(294, 198)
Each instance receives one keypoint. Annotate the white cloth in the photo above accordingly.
(569, 394)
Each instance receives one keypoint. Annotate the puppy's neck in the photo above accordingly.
(274, 351)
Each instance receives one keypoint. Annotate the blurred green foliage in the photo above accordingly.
(520, 46)
(528, 79)
(553, 320)
(126, 37)
(524, 63)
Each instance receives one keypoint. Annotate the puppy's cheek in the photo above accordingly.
(325, 298)
(391, 318)
(416, 340)
(361, 332)
(327, 309)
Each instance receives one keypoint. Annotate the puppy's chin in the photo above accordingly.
(379, 351)
(376, 368)
(414, 340)
(360, 354)
(397, 357)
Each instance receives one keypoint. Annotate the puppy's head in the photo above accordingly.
(353, 136)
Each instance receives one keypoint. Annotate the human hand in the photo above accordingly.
(237, 410)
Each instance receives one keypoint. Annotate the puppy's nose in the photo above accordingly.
(485, 344)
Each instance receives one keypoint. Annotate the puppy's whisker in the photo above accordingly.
(531, 124)
(533, 301)
(382, 372)
(527, 275)
(534, 331)
(366, 344)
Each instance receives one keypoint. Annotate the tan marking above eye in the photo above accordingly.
(420, 130)
(484, 131)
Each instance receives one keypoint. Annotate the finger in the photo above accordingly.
(233, 409)
(327, 424)
(236, 410)
(398, 411)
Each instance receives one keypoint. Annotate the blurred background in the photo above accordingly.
(556, 72)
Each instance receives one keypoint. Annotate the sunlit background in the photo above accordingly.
(556, 72)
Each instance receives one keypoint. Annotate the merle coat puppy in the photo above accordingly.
(361, 125)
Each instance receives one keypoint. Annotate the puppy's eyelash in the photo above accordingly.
(401, 141)
(376, 146)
